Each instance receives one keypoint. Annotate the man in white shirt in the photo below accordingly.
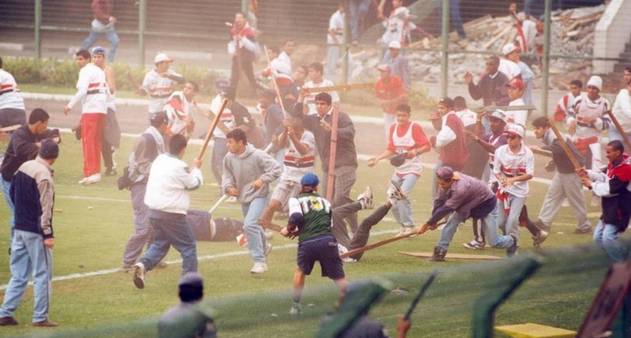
(179, 109)
(167, 198)
(317, 80)
(334, 40)
(526, 74)
(398, 25)
(515, 89)
(12, 110)
(513, 166)
(587, 120)
(159, 83)
(622, 110)
(507, 66)
(93, 93)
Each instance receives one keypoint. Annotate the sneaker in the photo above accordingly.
(45, 323)
(512, 250)
(8, 321)
(540, 238)
(439, 254)
(296, 309)
(405, 231)
(90, 179)
(474, 245)
(366, 198)
(258, 268)
(139, 275)
(268, 248)
(583, 231)
(126, 268)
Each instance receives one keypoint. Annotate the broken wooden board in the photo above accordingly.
(531, 330)
(452, 256)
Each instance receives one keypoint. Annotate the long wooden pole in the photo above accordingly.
(620, 130)
(211, 130)
(565, 147)
(330, 182)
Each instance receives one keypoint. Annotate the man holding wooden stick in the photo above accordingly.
(565, 183)
(465, 197)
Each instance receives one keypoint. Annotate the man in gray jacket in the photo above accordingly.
(247, 172)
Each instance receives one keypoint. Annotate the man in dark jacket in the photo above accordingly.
(492, 85)
(345, 158)
(24, 144)
(565, 183)
(612, 185)
(33, 194)
(151, 144)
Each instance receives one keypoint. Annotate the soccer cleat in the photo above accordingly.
(45, 323)
(474, 245)
(258, 268)
(8, 321)
(296, 309)
(366, 198)
(439, 254)
(540, 238)
(512, 250)
(139, 275)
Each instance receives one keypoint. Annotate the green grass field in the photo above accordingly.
(93, 223)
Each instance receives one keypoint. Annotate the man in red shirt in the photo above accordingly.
(390, 92)
(406, 142)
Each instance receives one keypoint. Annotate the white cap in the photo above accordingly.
(161, 57)
(595, 81)
(394, 44)
(499, 114)
(508, 48)
(517, 129)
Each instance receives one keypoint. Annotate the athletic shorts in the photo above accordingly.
(321, 249)
(284, 190)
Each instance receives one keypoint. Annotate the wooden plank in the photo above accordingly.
(532, 330)
(452, 256)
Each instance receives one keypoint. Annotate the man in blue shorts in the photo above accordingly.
(310, 220)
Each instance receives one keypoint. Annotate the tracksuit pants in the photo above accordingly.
(564, 186)
(91, 138)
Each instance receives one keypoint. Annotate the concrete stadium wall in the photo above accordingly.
(612, 33)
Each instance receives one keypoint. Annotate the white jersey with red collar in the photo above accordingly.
(92, 90)
(226, 117)
(178, 109)
(10, 96)
(512, 164)
(296, 164)
(159, 87)
(584, 110)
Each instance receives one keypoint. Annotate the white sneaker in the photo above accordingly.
(90, 179)
(366, 198)
(258, 268)
(395, 193)
(296, 309)
(139, 275)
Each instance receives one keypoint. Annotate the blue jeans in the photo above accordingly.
(402, 209)
(490, 230)
(171, 230)
(110, 35)
(606, 237)
(29, 257)
(253, 230)
(358, 10)
(510, 223)
(6, 191)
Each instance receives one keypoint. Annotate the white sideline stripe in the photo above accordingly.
(176, 261)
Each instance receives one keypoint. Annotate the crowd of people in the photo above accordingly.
(483, 170)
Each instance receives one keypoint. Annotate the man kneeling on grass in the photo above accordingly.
(310, 220)
(463, 196)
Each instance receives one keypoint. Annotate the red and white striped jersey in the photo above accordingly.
(10, 96)
(297, 165)
(92, 90)
(512, 164)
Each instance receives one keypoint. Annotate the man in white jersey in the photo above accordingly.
(93, 93)
(317, 80)
(179, 109)
(298, 160)
(12, 110)
(587, 120)
(514, 165)
(515, 89)
(507, 66)
(159, 83)
(406, 142)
